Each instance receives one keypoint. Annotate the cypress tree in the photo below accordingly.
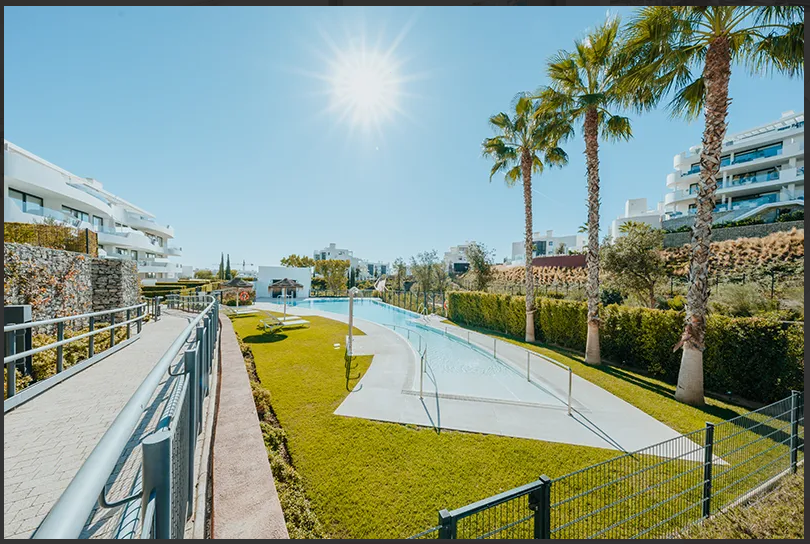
(221, 273)
(228, 268)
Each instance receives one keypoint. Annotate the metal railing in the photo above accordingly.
(14, 359)
(529, 355)
(421, 350)
(420, 302)
(167, 483)
(654, 492)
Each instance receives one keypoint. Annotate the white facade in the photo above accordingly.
(270, 274)
(36, 191)
(455, 258)
(760, 169)
(548, 244)
(365, 269)
(636, 210)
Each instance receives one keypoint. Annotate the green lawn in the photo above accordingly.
(651, 395)
(376, 479)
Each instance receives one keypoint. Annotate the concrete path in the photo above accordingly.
(389, 391)
(47, 439)
(245, 501)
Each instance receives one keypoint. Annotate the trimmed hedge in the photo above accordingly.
(52, 236)
(760, 359)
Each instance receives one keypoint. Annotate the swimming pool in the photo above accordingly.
(454, 368)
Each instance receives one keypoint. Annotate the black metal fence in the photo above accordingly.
(651, 493)
(422, 302)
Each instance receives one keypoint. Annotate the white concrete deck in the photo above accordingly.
(389, 391)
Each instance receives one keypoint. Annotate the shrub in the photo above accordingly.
(677, 303)
(757, 358)
(795, 215)
(741, 300)
(54, 236)
(610, 296)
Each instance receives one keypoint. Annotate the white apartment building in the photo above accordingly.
(365, 269)
(455, 258)
(636, 210)
(761, 169)
(549, 244)
(36, 191)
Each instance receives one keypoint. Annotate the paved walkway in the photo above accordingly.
(389, 391)
(46, 440)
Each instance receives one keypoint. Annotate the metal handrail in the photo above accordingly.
(18, 326)
(68, 516)
(529, 354)
(420, 351)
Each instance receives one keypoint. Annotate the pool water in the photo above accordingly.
(453, 367)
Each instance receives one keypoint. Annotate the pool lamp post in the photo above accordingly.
(353, 291)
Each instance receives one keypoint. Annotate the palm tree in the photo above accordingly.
(585, 84)
(690, 51)
(516, 150)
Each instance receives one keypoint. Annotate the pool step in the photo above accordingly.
(491, 400)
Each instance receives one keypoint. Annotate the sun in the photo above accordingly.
(365, 78)
(365, 88)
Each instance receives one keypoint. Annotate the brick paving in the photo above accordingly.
(47, 439)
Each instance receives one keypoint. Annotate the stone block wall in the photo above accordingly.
(52, 281)
(677, 239)
(59, 283)
(115, 284)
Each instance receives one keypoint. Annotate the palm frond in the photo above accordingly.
(617, 128)
(689, 100)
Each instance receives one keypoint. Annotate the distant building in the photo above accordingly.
(761, 171)
(455, 258)
(549, 245)
(37, 191)
(364, 269)
(270, 274)
(636, 210)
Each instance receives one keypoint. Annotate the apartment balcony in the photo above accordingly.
(13, 213)
(175, 251)
(156, 266)
(679, 195)
(46, 181)
(127, 238)
(148, 224)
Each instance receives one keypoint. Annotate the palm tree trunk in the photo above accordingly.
(591, 132)
(526, 168)
(716, 75)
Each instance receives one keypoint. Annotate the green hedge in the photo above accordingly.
(757, 358)
(52, 236)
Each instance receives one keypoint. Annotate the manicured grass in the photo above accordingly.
(650, 395)
(374, 479)
(779, 514)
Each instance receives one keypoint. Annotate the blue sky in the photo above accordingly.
(214, 119)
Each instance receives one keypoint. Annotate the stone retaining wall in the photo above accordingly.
(677, 239)
(58, 283)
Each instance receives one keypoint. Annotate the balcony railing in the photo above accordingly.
(757, 154)
(41, 211)
(752, 203)
(747, 179)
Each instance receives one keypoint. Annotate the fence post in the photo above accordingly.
(139, 315)
(794, 431)
(112, 330)
(447, 525)
(91, 345)
(540, 504)
(707, 470)
(60, 335)
(129, 315)
(11, 369)
(157, 451)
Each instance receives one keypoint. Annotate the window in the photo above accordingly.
(767, 151)
(693, 189)
(27, 203)
(78, 214)
(135, 254)
(150, 255)
(371, 269)
(540, 248)
(98, 222)
(121, 251)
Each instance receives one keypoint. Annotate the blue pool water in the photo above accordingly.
(454, 367)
